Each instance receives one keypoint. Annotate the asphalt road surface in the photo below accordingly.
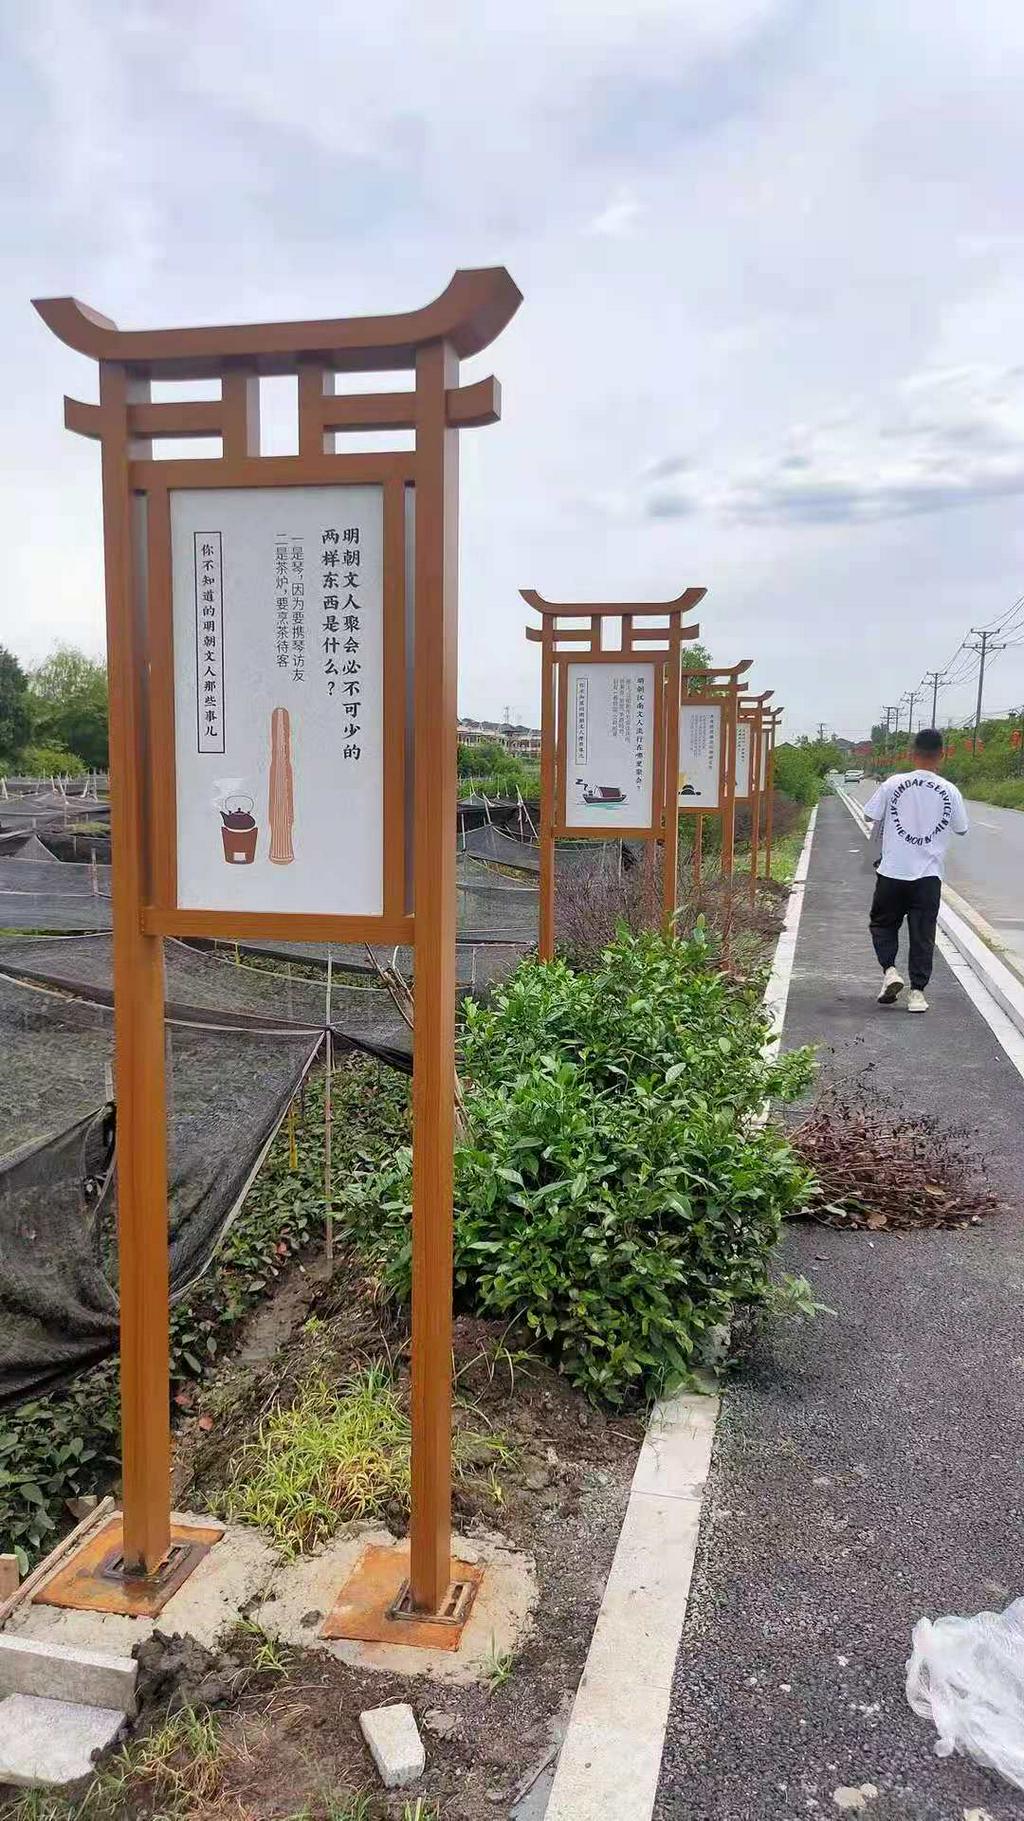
(987, 867)
(867, 1466)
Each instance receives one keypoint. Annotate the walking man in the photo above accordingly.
(917, 812)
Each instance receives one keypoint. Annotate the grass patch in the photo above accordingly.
(173, 1771)
(334, 1455)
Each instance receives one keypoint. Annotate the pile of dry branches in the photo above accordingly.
(877, 1167)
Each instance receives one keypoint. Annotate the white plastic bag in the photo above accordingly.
(967, 1675)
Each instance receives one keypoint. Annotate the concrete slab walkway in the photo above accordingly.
(868, 1466)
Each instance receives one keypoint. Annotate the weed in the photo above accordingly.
(331, 1807)
(498, 1666)
(177, 1767)
(268, 1658)
(334, 1455)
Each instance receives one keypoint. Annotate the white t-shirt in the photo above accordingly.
(918, 811)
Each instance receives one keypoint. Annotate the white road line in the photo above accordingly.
(610, 1761)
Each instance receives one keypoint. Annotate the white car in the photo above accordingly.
(854, 776)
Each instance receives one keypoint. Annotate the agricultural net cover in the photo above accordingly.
(227, 1089)
(239, 1038)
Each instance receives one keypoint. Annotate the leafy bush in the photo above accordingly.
(613, 1190)
(49, 761)
(796, 775)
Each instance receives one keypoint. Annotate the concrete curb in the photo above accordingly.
(974, 939)
(610, 1761)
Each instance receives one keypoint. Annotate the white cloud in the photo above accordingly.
(738, 228)
(618, 216)
(947, 437)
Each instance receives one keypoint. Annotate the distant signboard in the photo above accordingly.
(744, 754)
(700, 756)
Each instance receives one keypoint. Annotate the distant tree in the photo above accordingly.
(15, 711)
(878, 734)
(696, 657)
(69, 704)
(484, 758)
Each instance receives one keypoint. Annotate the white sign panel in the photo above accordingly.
(764, 760)
(609, 748)
(700, 751)
(278, 699)
(744, 753)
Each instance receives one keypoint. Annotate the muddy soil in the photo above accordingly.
(288, 1743)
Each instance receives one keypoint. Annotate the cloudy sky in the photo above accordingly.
(772, 254)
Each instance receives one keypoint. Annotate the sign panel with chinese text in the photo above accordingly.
(277, 602)
(744, 755)
(609, 745)
(700, 755)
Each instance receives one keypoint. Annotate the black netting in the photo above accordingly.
(54, 1057)
(490, 843)
(226, 1093)
(58, 1308)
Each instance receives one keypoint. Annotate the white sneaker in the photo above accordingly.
(892, 987)
(916, 1001)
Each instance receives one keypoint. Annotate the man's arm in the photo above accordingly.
(959, 824)
(875, 807)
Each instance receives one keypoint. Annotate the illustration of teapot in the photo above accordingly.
(239, 831)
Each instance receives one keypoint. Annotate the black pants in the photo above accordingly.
(918, 901)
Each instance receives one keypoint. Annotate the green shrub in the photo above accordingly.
(612, 1192)
(796, 775)
(49, 762)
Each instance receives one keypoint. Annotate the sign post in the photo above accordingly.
(282, 644)
(706, 747)
(772, 724)
(750, 771)
(605, 721)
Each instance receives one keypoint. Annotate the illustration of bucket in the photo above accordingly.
(239, 831)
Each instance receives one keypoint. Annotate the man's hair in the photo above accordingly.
(928, 741)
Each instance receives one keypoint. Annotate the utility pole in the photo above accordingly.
(912, 695)
(984, 647)
(889, 709)
(934, 677)
(821, 732)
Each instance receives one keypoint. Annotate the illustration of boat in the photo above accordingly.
(601, 794)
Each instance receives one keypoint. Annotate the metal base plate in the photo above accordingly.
(372, 1607)
(93, 1580)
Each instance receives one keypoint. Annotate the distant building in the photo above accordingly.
(522, 742)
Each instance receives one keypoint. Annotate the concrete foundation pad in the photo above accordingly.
(206, 1606)
(47, 1744)
(304, 1592)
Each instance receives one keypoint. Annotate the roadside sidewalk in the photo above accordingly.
(867, 1466)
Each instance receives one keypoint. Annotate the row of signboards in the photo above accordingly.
(608, 762)
(280, 739)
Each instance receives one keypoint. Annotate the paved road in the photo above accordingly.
(867, 1466)
(988, 867)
